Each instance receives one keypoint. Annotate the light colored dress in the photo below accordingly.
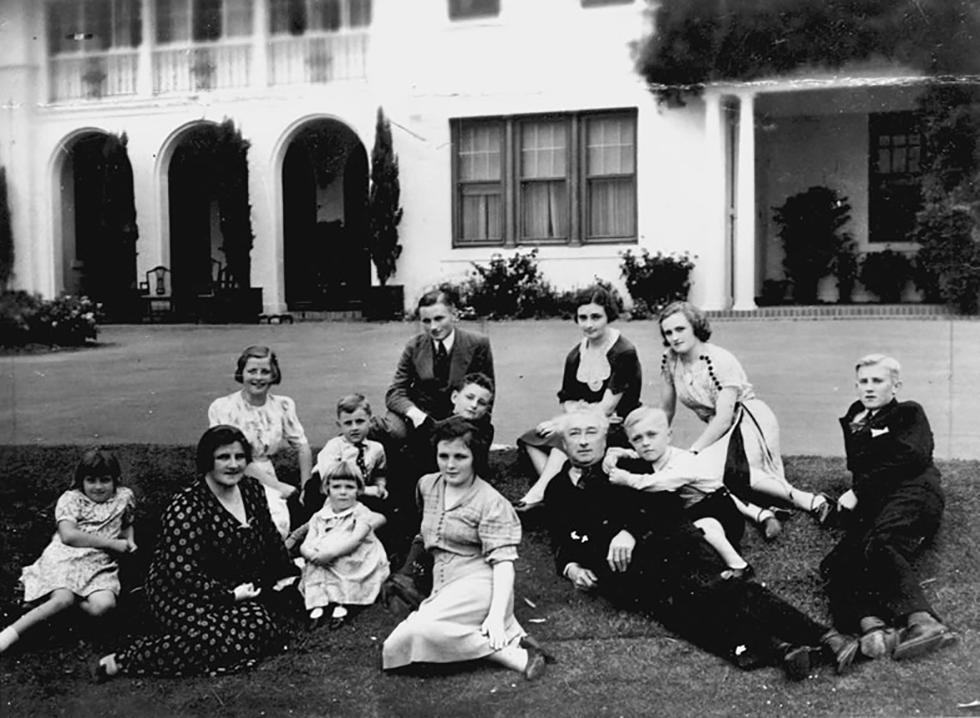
(82, 570)
(267, 428)
(465, 540)
(698, 386)
(354, 579)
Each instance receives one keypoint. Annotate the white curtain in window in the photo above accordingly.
(173, 21)
(480, 173)
(611, 177)
(544, 185)
(238, 18)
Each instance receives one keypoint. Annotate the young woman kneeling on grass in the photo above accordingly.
(218, 557)
(472, 532)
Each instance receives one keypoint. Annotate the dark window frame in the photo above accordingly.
(895, 190)
(473, 9)
(577, 177)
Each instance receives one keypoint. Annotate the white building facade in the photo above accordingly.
(517, 124)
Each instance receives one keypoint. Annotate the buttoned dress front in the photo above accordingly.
(698, 386)
(267, 428)
(466, 540)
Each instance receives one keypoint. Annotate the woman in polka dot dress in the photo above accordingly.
(218, 557)
(739, 428)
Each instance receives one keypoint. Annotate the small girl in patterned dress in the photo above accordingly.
(345, 562)
(95, 524)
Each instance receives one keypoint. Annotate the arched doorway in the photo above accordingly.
(324, 189)
(99, 229)
(210, 227)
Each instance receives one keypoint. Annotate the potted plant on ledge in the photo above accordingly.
(384, 213)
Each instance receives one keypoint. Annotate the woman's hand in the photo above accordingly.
(493, 629)
(288, 491)
(130, 545)
(613, 455)
(119, 545)
(246, 592)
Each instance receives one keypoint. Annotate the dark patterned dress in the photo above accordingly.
(203, 554)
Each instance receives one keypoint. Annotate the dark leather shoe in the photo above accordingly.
(796, 663)
(824, 513)
(536, 665)
(842, 649)
(747, 573)
(919, 639)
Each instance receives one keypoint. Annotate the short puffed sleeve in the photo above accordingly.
(724, 370)
(499, 530)
(128, 500)
(69, 506)
(292, 430)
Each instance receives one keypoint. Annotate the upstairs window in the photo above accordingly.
(555, 179)
(86, 26)
(895, 176)
(295, 17)
(202, 20)
(466, 9)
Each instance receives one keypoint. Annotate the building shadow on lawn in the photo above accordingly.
(610, 660)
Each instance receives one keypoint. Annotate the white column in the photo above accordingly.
(268, 269)
(745, 238)
(260, 44)
(710, 290)
(144, 66)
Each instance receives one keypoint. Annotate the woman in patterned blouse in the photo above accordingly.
(267, 420)
(472, 532)
(217, 559)
(739, 428)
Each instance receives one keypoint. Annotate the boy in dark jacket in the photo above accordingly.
(894, 507)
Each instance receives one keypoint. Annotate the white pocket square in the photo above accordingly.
(878, 432)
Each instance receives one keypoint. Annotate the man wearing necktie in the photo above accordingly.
(894, 506)
(431, 362)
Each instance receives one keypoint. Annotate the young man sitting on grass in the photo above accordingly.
(894, 507)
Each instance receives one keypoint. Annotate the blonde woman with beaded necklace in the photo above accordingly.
(740, 428)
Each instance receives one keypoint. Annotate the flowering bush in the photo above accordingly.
(66, 321)
(656, 280)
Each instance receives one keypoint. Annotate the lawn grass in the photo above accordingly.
(610, 662)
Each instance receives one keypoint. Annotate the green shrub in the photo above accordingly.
(845, 268)
(885, 274)
(948, 262)
(66, 321)
(508, 287)
(656, 280)
(811, 226)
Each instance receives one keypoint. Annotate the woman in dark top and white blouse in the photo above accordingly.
(602, 370)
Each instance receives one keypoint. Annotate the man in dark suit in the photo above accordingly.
(894, 507)
(431, 364)
(640, 550)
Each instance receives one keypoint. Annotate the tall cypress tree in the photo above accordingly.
(6, 234)
(384, 212)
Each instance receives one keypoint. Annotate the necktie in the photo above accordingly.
(361, 463)
(440, 367)
(858, 424)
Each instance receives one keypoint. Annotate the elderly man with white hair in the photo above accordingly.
(640, 549)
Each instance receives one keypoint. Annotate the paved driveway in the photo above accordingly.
(153, 384)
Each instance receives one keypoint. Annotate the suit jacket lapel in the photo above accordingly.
(459, 359)
(424, 357)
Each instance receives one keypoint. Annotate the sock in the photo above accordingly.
(316, 613)
(8, 637)
(339, 611)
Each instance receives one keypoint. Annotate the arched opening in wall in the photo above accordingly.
(210, 227)
(324, 190)
(98, 228)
